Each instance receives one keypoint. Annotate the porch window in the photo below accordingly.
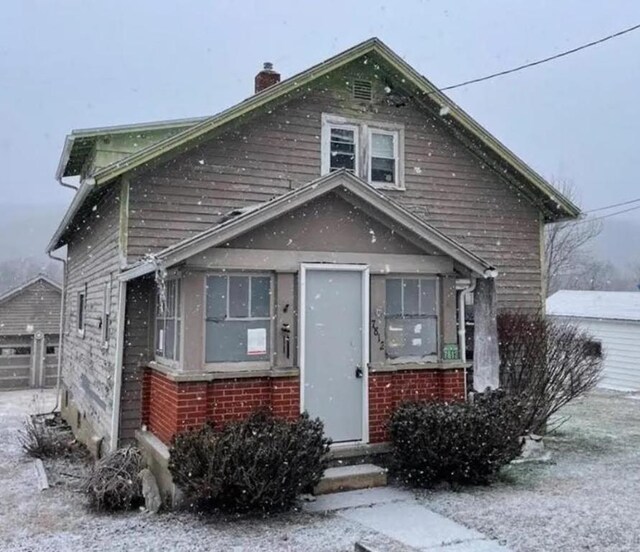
(168, 321)
(411, 318)
(238, 318)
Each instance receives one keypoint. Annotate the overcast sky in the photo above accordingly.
(68, 64)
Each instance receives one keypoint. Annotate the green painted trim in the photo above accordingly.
(373, 45)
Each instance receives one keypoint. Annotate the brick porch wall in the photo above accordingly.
(170, 407)
(389, 389)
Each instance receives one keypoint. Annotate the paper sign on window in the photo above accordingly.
(257, 341)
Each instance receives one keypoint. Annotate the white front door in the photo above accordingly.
(334, 348)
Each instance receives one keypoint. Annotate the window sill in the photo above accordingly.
(417, 365)
(216, 374)
(390, 187)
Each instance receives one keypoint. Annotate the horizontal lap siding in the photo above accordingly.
(93, 259)
(621, 348)
(274, 152)
(37, 305)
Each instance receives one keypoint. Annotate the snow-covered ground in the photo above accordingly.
(588, 499)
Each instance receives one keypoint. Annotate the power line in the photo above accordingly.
(583, 221)
(541, 61)
(606, 207)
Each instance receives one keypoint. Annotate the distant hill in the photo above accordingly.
(619, 242)
(25, 231)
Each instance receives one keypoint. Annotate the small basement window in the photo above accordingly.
(411, 318)
(168, 321)
(238, 318)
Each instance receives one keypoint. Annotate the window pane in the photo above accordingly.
(217, 297)
(159, 337)
(410, 299)
(169, 339)
(171, 298)
(411, 337)
(177, 339)
(394, 297)
(342, 149)
(428, 297)
(227, 341)
(177, 298)
(383, 170)
(382, 145)
(260, 296)
(238, 296)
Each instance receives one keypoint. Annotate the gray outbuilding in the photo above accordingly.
(29, 334)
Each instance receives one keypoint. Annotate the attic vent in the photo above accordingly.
(362, 90)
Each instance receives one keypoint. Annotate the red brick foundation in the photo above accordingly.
(169, 407)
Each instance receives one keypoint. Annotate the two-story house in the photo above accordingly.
(310, 248)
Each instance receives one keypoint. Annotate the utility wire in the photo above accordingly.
(607, 207)
(585, 220)
(541, 61)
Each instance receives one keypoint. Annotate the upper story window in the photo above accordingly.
(370, 150)
(343, 148)
(168, 321)
(238, 318)
(411, 318)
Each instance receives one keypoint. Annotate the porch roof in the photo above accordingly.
(352, 188)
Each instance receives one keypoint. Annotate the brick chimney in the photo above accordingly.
(267, 77)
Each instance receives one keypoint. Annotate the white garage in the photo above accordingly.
(613, 319)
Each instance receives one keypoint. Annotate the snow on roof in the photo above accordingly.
(613, 305)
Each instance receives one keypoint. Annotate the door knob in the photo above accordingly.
(358, 372)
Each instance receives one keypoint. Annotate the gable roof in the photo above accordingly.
(340, 181)
(605, 305)
(554, 205)
(18, 290)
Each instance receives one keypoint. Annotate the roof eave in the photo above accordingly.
(76, 203)
(278, 207)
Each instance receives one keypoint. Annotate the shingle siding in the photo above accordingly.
(271, 153)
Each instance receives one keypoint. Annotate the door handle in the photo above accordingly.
(358, 372)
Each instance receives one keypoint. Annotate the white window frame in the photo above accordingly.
(178, 308)
(396, 157)
(339, 123)
(438, 316)
(81, 322)
(106, 314)
(363, 130)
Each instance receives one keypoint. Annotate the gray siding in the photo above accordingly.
(273, 152)
(93, 261)
(37, 305)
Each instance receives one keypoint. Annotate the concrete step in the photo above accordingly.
(350, 478)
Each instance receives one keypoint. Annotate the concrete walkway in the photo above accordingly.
(396, 514)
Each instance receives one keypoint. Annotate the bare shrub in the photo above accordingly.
(114, 482)
(464, 444)
(46, 437)
(259, 464)
(545, 363)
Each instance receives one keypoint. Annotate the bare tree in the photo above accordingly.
(566, 244)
